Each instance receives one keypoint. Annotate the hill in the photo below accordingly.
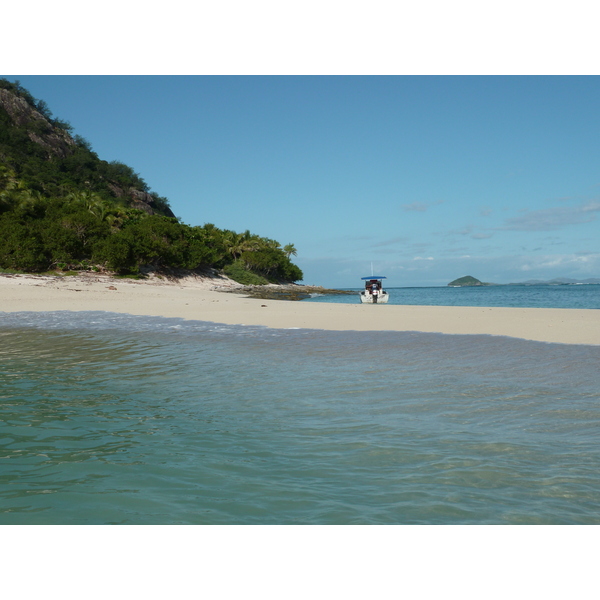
(466, 281)
(558, 281)
(63, 208)
(38, 154)
(471, 281)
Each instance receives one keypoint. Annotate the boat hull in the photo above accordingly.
(367, 298)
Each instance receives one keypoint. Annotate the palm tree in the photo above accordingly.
(93, 202)
(251, 241)
(233, 242)
(29, 199)
(11, 188)
(269, 243)
(103, 209)
(290, 250)
(8, 178)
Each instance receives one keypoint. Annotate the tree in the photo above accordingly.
(234, 243)
(60, 205)
(10, 188)
(20, 245)
(269, 243)
(238, 243)
(116, 253)
(290, 250)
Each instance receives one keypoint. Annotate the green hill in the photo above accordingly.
(63, 208)
(466, 281)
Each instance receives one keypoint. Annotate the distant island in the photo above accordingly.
(559, 281)
(469, 281)
(466, 281)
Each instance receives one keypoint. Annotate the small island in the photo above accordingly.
(466, 281)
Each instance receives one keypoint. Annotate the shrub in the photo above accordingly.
(239, 273)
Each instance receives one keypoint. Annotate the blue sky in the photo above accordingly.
(427, 177)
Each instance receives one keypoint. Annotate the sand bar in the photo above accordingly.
(196, 298)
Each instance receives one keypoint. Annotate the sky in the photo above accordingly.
(431, 140)
(427, 178)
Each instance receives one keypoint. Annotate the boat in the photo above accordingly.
(374, 292)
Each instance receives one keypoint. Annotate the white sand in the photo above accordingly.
(195, 298)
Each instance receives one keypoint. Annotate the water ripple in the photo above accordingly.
(114, 419)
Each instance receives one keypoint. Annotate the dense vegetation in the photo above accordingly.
(62, 208)
(466, 281)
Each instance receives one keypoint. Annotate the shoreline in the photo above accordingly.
(202, 299)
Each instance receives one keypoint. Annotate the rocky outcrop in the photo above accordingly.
(138, 199)
(18, 108)
(56, 141)
(281, 291)
(141, 200)
(58, 144)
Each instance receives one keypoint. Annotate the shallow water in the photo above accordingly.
(110, 418)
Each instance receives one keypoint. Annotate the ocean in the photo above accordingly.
(519, 296)
(116, 419)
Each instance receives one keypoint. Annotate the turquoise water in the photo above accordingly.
(108, 418)
(538, 296)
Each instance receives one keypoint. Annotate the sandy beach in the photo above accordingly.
(197, 298)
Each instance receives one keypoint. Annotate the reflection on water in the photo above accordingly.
(116, 419)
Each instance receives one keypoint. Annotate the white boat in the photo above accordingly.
(374, 292)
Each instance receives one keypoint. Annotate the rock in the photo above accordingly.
(56, 141)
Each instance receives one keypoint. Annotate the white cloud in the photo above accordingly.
(592, 206)
(551, 219)
(567, 263)
(424, 269)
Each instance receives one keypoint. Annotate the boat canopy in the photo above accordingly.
(373, 277)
